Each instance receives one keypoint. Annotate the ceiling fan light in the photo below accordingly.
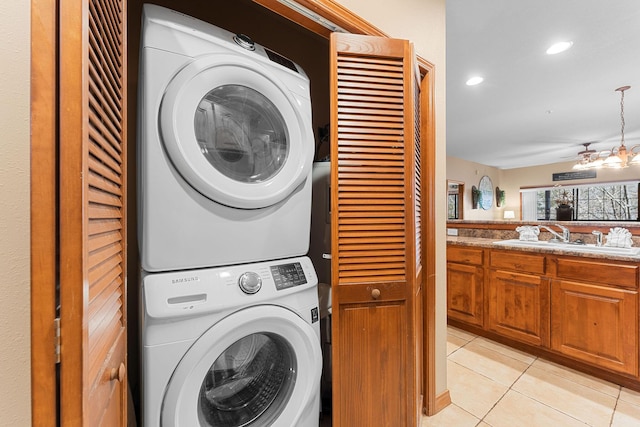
(635, 160)
(613, 162)
(612, 159)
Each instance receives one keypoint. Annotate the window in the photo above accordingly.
(594, 202)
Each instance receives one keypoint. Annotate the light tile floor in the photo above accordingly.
(494, 385)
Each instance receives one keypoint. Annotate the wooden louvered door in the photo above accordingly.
(376, 235)
(92, 144)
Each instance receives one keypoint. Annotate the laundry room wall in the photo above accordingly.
(15, 353)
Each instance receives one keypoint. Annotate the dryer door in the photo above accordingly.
(258, 366)
(235, 132)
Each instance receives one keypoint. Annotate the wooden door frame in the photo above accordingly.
(44, 117)
(43, 193)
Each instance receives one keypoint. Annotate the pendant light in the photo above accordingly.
(618, 157)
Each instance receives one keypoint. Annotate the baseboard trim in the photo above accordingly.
(441, 401)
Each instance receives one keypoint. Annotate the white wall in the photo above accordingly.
(15, 352)
(511, 180)
(423, 22)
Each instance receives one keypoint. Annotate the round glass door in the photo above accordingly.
(258, 366)
(253, 377)
(236, 133)
(241, 133)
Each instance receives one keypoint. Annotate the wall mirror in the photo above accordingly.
(486, 193)
(455, 199)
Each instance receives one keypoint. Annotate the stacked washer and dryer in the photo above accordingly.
(230, 331)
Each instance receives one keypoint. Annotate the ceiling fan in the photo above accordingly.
(586, 156)
(587, 152)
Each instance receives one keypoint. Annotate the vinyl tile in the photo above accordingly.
(626, 415)
(579, 377)
(451, 416)
(576, 400)
(471, 391)
(506, 350)
(492, 364)
(467, 336)
(515, 409)
(630, 396)
(454, 343)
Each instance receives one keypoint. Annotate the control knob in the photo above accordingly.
(244, 41)
(250, 282)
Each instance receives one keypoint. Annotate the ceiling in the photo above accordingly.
(534, 108)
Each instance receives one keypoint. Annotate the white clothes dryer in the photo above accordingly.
(232, 346)
(225, 147)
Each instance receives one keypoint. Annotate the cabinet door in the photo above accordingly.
(465, 299)
(376, 267)
(519, 306)
(596, 324)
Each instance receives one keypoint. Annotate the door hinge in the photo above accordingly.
(56, 340)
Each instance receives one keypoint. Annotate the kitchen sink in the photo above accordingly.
(577, 247)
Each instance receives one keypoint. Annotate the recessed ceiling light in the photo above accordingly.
(559, 47)
(474, 81)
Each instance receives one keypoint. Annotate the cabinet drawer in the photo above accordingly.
(464, 255)
(598, 272)
(516, 261)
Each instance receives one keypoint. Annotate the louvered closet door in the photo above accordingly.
(92, 146)
(375, 160)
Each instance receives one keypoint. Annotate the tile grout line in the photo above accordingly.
(505, 393)
(557, 409)
(615, 407)
(482, 420)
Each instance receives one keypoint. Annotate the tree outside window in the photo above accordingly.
(601, 202)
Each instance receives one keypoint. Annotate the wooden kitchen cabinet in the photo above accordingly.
(575, 310)
(594, 313)
(519, 306)
(518, 297)
(465, 285)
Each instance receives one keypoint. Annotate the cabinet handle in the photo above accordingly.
(375, 294)
(118, 373)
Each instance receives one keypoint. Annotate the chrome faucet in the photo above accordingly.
(564, 237)
(566, 234)
(598, 237)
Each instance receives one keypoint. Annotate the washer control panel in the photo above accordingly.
(182, 293)
(288, 275)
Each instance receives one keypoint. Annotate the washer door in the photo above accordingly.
(235, 132)
(258, 366)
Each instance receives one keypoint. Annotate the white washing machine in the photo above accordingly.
(225, 147)
(232, 346)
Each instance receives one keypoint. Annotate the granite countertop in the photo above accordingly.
(484, 242)
(515, 223)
